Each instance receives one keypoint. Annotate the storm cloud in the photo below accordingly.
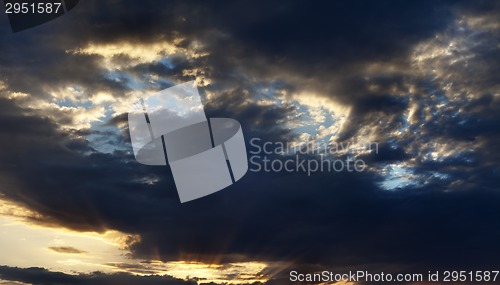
(420, 79)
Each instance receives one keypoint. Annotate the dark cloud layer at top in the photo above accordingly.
(355, 53)
(304, 37)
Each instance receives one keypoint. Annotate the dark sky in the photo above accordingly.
(419, 78)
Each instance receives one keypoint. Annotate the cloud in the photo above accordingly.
(126, 54)
(66, 249)
(40, 276)
(418, 79)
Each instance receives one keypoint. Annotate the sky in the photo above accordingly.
(411, 89)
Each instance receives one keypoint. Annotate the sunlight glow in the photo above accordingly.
(25, 244)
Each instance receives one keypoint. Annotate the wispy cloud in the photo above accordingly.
(66, 249)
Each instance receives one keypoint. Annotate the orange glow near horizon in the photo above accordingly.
(25, 244)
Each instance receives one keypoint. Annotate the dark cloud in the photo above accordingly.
(40, 276)
(358, 54)
(66, 249)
